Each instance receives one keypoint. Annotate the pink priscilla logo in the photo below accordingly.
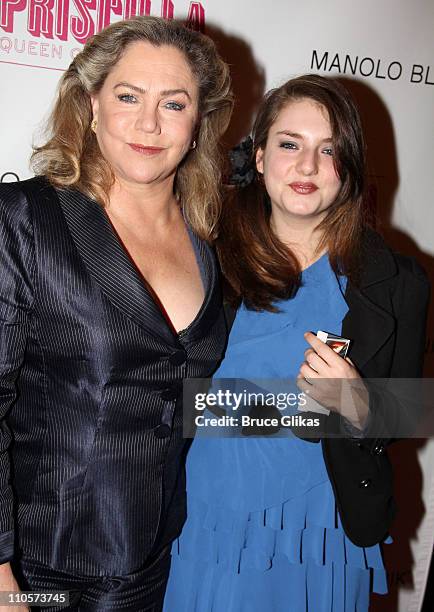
(34, 31)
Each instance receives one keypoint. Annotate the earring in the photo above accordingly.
(193, 145)
(93, 125)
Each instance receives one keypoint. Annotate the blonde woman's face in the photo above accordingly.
(146, 114)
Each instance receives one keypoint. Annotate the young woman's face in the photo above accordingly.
(146, 113)
(297, 163)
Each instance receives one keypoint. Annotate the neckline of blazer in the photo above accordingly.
(110, 266)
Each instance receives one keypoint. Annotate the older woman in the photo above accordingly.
(109, 296)
(285, 524)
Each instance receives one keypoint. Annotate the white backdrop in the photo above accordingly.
(383, 50)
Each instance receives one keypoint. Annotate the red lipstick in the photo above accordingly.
(303, 188)
(145, 150)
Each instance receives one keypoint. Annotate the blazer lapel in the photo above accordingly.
(109, 265)
(366, 323)
(212, 304)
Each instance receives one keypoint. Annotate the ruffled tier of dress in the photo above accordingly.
(231, 559)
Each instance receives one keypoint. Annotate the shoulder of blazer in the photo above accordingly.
(412, 277)
(406, 279)
(13, 196)
(379, 261)
(17, 246)
(21, 199)
(30, 187)
(391, 287)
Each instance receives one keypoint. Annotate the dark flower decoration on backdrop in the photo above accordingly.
(242, 166)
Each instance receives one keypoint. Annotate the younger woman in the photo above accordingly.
(285, 524)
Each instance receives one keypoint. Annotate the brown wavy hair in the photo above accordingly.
(71, 157)
(259, 268)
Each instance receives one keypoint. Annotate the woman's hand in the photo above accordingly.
(334, 382)
(9, 584)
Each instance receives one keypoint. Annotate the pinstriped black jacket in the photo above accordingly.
(90, 388)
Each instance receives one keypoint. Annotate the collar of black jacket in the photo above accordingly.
(376, 260)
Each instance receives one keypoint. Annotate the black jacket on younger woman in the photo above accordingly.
(386, 321)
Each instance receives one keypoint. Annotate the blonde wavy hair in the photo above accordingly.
(71, 156)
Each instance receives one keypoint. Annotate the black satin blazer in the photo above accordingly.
(91, 386)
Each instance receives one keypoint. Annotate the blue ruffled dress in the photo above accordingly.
(262, 532)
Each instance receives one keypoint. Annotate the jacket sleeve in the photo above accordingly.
(411, 301)
(397, 414)
(17, 264)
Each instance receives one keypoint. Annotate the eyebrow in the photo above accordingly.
(165, 92)
(295, 135)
